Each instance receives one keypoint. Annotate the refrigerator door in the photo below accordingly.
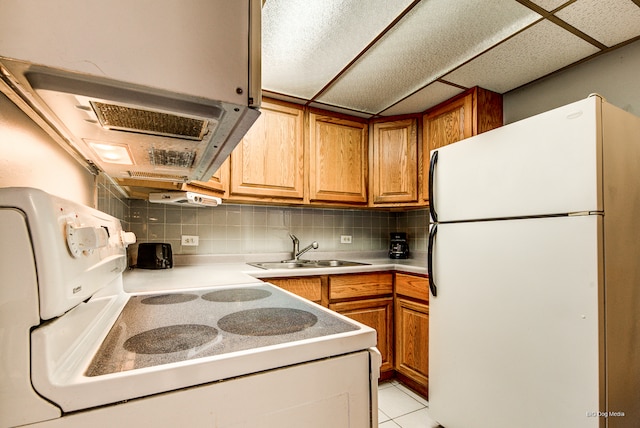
(514, 330)
(544, 165)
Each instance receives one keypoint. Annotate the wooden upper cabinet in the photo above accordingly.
(337, 159)
(269, 161)
(217, 185)
(393, 174)
(471, 113)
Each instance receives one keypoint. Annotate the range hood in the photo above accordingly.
(153, 90)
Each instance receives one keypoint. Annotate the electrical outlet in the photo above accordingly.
(189, 240)
(345, 239)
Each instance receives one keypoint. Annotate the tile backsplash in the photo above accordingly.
(245, 229)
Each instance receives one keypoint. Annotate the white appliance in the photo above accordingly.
(156, 90)
(534, 261)
(184, 198)
(77, 350)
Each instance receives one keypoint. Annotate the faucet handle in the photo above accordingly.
(293, 238)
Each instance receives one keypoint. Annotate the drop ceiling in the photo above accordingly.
(381, 58)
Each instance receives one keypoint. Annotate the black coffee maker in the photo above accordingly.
(398, 248)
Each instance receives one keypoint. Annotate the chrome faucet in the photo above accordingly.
(296, 253)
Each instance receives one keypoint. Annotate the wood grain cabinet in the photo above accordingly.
(337, 159)
(412, 331)
(269, 161)
(368, 299)
(217, 185)
(471, 113)
(393, 173)
(309, 287)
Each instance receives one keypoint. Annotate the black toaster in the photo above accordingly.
(152, 255)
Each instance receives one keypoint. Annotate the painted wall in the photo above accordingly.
(30, 158)
(613, 75)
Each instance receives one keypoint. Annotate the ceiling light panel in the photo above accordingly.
(425, 98)
(533, 53)
(608, 21)
(429, 41)
(305, 44)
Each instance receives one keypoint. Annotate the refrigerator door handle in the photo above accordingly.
(432, 283)
(432, 205)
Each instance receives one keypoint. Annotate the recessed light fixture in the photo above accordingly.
(112, 153)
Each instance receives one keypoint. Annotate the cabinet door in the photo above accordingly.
(217, 184)
(338, 159)
(445, 125)
(377, 314)
(394, 163)
(412, 341)
(471, 113)
(269, 161)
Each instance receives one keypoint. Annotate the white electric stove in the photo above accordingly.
(77, 350)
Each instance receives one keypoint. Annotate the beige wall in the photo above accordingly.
(30, 158)
(613, 75)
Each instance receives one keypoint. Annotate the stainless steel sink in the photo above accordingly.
(286, 264)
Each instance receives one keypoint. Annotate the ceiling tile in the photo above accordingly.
(549, 5)
(340, 110)
(429, 41)
(425, 98)
(535, 52)
(306, 43)
(608, 21)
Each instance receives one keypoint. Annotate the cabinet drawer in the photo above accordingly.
(365, 285)
(412, 286)
(308, 287)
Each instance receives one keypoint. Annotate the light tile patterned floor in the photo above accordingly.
(398, 406)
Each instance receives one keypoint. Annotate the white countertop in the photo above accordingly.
(213, 271)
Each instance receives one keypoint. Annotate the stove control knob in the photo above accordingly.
(85, 239)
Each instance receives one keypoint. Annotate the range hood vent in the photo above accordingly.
(123, 118)
(171, 158)
(166, 97)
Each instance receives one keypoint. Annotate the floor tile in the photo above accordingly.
(388, 424)
(393, 402)
(412, 394)
(418, 419)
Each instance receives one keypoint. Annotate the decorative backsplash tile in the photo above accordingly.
(241, 229)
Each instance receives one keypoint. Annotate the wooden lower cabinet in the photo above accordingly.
(377, 314)
(395, 305)
(309, 287)
(412, 343)
(367, 298)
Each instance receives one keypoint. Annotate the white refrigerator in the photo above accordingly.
(534, 263)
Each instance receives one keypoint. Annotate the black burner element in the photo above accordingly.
(168, 299)
(267, 321)
(173, 338)
(236, 295)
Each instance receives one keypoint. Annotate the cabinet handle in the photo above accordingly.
(432, 205)
(432, 237)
